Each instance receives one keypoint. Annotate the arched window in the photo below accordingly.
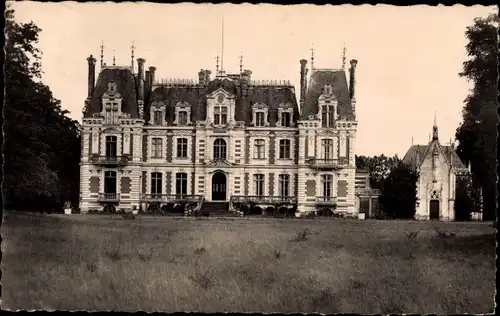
(220, 149)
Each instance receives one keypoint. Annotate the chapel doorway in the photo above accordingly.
(219, 187)
(434, 209)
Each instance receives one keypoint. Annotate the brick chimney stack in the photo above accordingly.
(207, 76)
(303, 83)
(140, 70)
(91, 80)
(148, 84)
(201, 77)
(152, 70)
(352, 79)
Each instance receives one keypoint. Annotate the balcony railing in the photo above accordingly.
(109, 197)
(165, 198)
(264, 199)
(326, 200)
(319, 163)
(367, 192)
(110, 160)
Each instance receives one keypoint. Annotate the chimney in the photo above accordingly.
(201, 77)
(91, 60)
(303, 83)
(148, 84)
(152, 70)
(207, 76)
(352, 79)
(140, 70)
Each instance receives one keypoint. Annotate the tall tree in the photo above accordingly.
(477, 133)
(399, 192)
(379, 167)
(40, 164)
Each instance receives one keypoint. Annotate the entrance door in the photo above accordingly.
(434, 209)
(219, 187)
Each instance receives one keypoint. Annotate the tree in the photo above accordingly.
(379, 167)
(398, 195)
(40, 161)
(477, 133)
(467, 198)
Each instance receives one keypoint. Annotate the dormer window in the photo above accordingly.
(220, 115)
(328, 115)
(285, 115)
(260, 118)
(157, 114)
(157, 117)
(111, 105)
(286, 119)
(260, 115)
(182, 114)
(182, 119)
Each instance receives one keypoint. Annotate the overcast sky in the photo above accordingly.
(408, 57)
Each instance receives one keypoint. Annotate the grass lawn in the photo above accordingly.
(92, 262)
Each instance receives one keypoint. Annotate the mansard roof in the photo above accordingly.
(125, 86)
(245, 92)
(415, 155)
(338, 80)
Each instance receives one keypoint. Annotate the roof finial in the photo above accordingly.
(312, 56)
(241, 63)
(114, 64)
(412, 140)
(344, 51)
(435, 128)
(222, 47)
(102, 53)
(132, 49)
(217, 65)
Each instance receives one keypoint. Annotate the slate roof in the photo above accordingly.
(125, 85)
(195, 95)
(338, 80)
(415, 154)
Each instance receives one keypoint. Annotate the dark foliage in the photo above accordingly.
(41, 144)
(477, 133)
(379, 167)
(399, 192)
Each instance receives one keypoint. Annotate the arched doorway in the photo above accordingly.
(219, 186)
(434, 209)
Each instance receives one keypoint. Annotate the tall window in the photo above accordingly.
(259, 147)
(220, 149)
(156, 144)
(327, 181)
(284, 185)
(111, 115)
(327, 148)
(111, 146)
(286, 119)
(327, 115)
(181, 183)
(158, 117)
(182, 147)
(182, 118)
(156, 183)
(259, 119)
(258, 184)
(220, 115)
(285, 149)
(110, 182)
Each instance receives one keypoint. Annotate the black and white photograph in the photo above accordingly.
(249, 158)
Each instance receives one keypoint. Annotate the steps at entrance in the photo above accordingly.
(219, 209)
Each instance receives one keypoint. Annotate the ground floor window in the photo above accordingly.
(258, 180)
(181, 183)
(327, 182)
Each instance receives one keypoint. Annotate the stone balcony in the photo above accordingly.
(109, 197)
(264, 199)
(111, 161)
(318, 163)
(169, 198)
(326, 200)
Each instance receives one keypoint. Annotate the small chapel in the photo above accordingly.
(439, 167)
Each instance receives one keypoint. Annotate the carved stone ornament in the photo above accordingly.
(219, 163)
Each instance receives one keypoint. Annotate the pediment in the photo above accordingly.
(219, 163)
(327, 97)
(112, 91)
(110, 130)
(286, 105)
(259, 105)
(158, 104)
(220, 91)
(183, 104)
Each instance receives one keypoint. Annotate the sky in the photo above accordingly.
(408, 57)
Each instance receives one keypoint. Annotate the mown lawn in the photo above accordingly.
(95, 262)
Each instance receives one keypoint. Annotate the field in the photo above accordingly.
(97, 262)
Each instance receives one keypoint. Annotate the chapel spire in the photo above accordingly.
(435, 135)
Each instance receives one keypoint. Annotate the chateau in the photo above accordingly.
(230, 140)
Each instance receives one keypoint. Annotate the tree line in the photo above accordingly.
(41, 143)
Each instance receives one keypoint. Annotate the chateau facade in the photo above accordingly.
(148, 142)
